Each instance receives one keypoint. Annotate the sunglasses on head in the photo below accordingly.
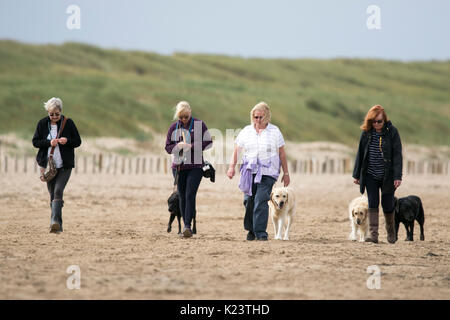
(54, 114)
(377, 121)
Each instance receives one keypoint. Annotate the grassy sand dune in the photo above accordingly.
(120, 93)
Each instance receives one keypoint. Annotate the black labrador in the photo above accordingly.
(407, 210)
(174, 209)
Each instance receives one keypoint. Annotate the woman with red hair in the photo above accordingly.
(378, 165)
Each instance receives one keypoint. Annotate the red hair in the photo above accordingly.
(371, 115)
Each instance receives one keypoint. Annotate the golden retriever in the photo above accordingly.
(282, 207)
(357, 210)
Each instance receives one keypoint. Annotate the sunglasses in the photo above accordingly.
(258, 117)
(54, 114)
(377, 121)
(183, 117)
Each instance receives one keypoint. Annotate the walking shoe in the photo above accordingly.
(250, 236)
(55, 227)
(187, 233)
(261, 239)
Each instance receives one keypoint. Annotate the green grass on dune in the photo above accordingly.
(114, 93)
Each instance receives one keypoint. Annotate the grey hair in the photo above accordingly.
(53, 103)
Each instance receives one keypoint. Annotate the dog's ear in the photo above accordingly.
(271, 197)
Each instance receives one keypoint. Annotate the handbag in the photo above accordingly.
(209, 171)
(51, 171)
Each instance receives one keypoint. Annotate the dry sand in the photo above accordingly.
(115, 231)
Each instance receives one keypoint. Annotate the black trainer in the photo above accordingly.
(262, 239)
(250, 236)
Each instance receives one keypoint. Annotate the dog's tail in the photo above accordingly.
(421, 212)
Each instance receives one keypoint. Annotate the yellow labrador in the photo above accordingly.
(282, 207)
(357, 211)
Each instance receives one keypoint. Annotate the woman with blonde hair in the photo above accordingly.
(46, 138)
(264, 153)
(378, 166)
(186, 139)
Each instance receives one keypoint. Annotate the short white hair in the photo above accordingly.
(53, 103)
(261, 106)
(182, 107)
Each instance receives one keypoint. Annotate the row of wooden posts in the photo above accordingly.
(113, 164)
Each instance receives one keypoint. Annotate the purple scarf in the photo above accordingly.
(248, 166)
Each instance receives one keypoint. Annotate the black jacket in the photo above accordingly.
(67, 151)
(392, 156)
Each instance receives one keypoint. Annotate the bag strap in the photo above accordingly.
(58, 135)
(175, 182)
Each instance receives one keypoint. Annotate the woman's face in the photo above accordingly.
(184, 117)
(258, 116)
(378, 122)
(54, 114)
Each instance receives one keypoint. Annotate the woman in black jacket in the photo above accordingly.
(45, 137)
(378, 165)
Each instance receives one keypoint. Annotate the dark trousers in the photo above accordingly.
(373, 187)
(188, 183)
(58, 183)
(257, 208)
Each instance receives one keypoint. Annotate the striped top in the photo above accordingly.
(376, 162)
(56, 154)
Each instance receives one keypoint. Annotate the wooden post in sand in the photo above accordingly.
(25, 160)
(100, 162)
(130, 170)
(93, 163)
(137, 164)
(115, 164)
(165, 166)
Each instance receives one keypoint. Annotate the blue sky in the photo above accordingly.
(410, 30)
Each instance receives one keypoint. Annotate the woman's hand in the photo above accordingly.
(286, 180)
(231, 172)
(184, 146)
(54, 142)
(356, 181)
(397, 183)
(62, 140)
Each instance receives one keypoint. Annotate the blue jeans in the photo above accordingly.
(188, 183)
(257, 208)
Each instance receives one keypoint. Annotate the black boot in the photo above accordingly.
(56, 218)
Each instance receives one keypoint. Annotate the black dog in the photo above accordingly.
(174, 209)
(407, 210)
